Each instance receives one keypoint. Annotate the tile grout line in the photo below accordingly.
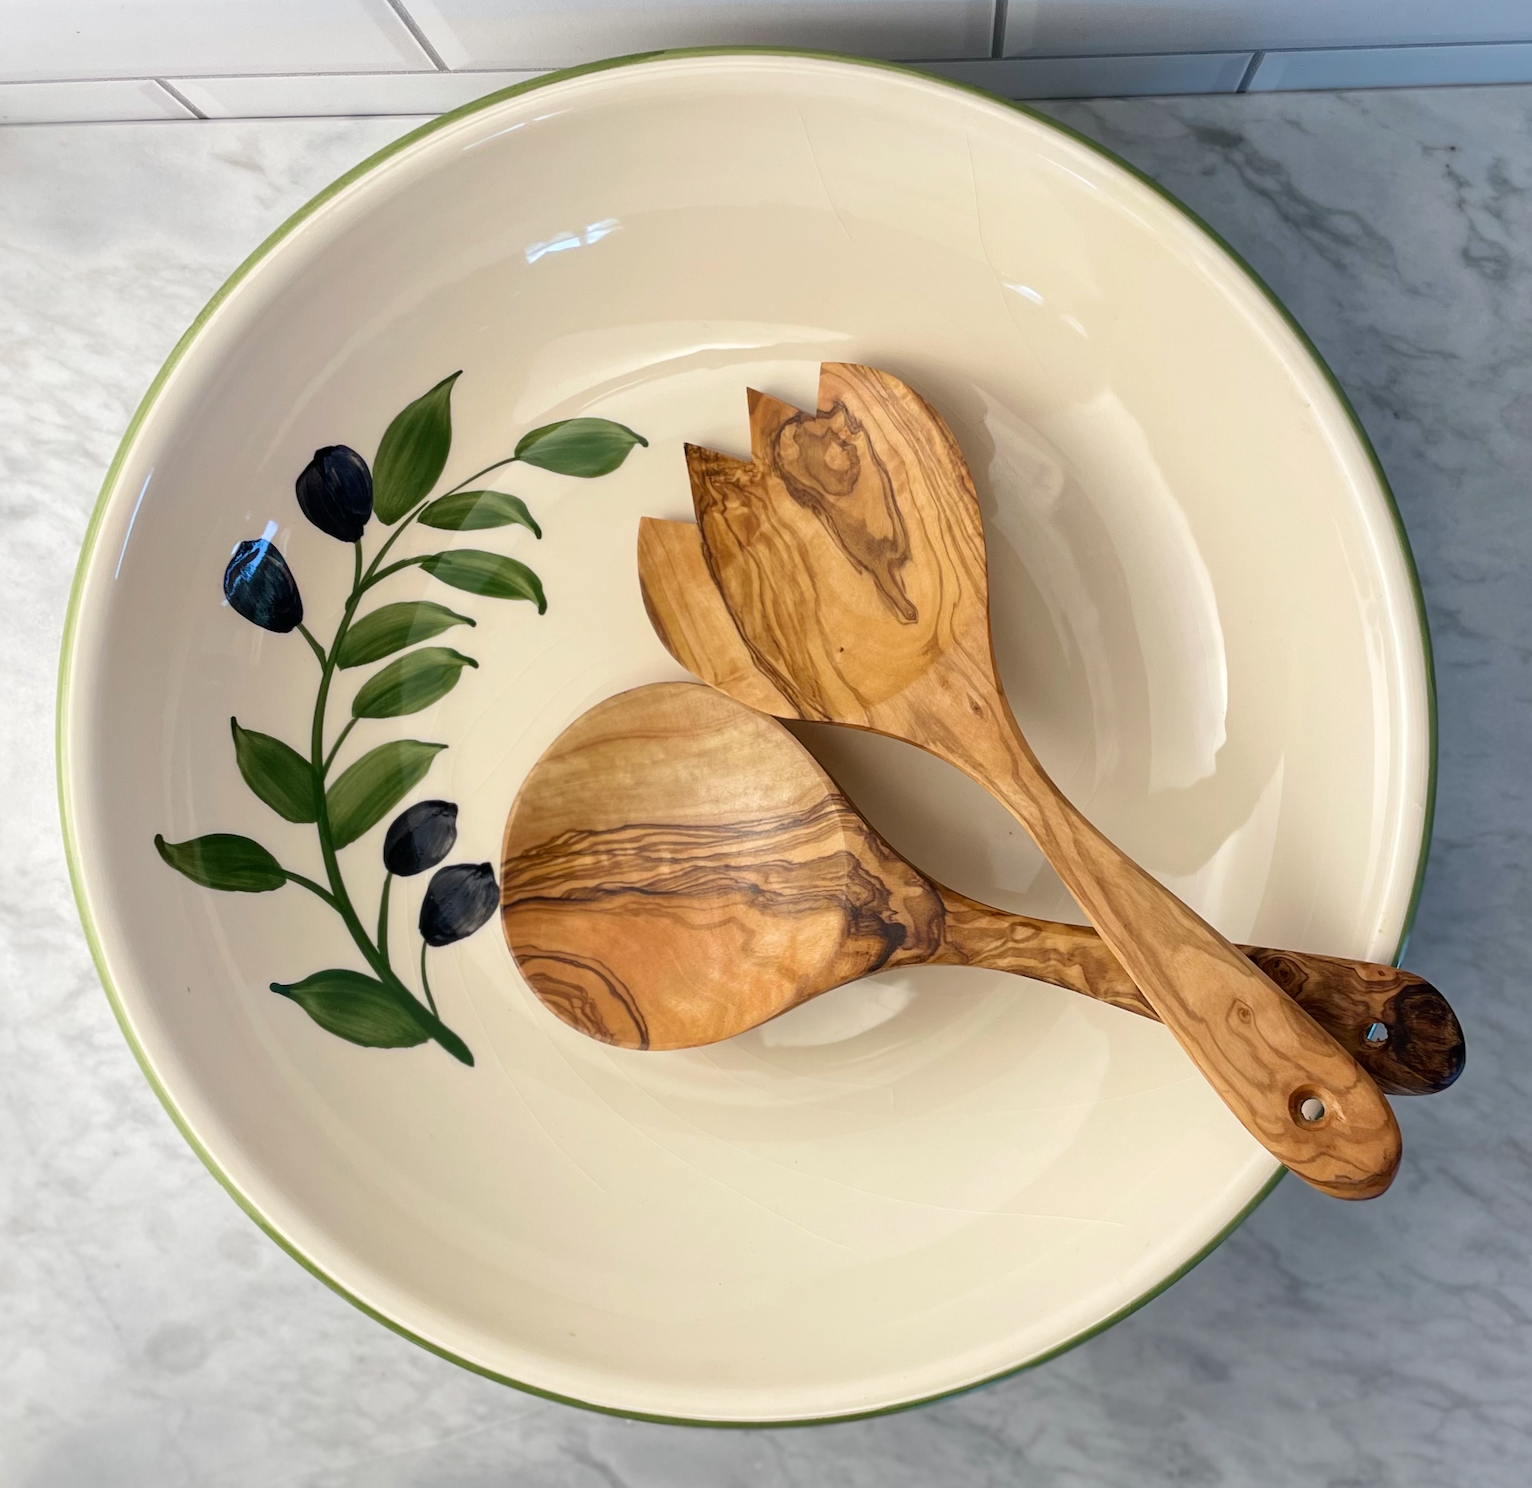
(221, 77)
(997, 36)
(421, 39)
(179, 97)
(1410, 46)
(209, 119)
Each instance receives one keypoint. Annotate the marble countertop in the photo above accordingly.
(151, 1337)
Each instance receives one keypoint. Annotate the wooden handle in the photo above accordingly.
(1396, 1025)
(1292, 1086)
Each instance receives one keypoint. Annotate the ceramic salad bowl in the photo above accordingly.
(374, 527)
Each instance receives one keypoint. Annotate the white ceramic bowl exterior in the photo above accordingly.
(1204, 615)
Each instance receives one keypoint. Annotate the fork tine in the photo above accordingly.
(767, 415)
(720, 481)
(690, 618)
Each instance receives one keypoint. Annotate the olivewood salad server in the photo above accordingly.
(849, 556)
(678, 869)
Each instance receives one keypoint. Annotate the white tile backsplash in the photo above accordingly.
(1392, 67)
(164, 38)
(1101, 77)
(558, 33)
(86, 102)
(1082, 27)
(356, 94)
(66, 60)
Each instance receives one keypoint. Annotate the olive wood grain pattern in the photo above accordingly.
(850, 555)
(679, 869)
(690, 618)
(1396, 1025)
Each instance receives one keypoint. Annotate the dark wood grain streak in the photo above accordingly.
(654, 933)
(802, 549)
(584, 993)
(830, 467)
(1420, 1050)
(678, 917)
(1423, 1050)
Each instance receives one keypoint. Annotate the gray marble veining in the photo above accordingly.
(150, 1337)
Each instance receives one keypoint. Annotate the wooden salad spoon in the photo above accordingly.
(679, 869)
(849, 556)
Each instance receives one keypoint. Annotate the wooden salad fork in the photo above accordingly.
(679, 869)
(848, 556)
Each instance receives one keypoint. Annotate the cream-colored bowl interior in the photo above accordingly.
(1203, 614)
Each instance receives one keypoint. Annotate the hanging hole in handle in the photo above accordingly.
(1312, 1110)
(1308, 1107)
(1375, 1035)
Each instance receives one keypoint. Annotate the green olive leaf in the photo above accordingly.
(365, 1011)
(492, 574)
(410, 683)
(450, 1041)
(365, 792)
(392, 628)
(236, 865)
(413, 451)
(357, 1008)
(578, 446)
(276, 772)
(469, 511)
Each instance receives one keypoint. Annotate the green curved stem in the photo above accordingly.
(314, 645)
(424, 980)
(329, 759)
(509, 460)
(369, 578)
(311, 886)
(340, 897)
(388, 883)
(393, 568)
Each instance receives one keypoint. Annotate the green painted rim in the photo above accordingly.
(87, 551)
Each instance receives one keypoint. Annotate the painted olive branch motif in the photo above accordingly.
(340, 495)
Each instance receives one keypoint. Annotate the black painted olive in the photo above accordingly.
(458, 901)
(335, 492)
(420, 837)
(260, 586)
